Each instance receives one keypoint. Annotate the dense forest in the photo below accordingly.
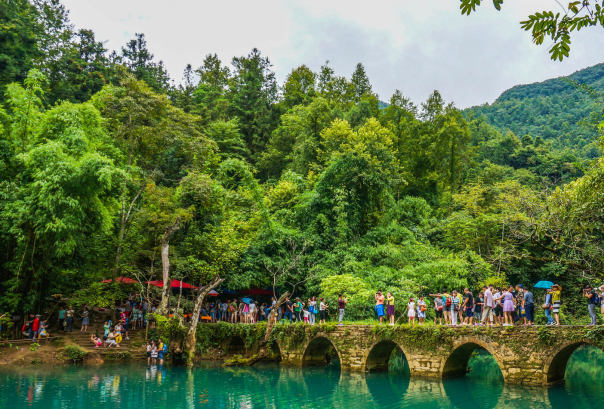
(108, 165)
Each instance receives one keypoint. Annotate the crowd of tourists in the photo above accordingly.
(493, 305)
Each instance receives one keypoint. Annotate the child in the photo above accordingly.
(411, 311)
(43, 331)
(96, 341)
(306, 315)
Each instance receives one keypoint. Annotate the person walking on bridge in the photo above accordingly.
(379, 305)
(342, 306)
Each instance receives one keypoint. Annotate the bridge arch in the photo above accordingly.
(317, 350)
(379, 355)
(554, 368)
(457, 362)
(236, 346)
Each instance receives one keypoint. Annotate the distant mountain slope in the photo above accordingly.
(554, 109)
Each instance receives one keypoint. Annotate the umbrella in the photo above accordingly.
(213, 293)
(544, 284)
(174, 284)
(247, 300)
(123, 280)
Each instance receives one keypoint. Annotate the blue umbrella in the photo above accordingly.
(247, 300)
(544, 284)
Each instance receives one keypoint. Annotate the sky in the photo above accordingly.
(413, 46)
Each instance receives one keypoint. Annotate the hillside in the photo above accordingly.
(554, 109)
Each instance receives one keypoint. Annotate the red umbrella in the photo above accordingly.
(175, 284)
(123, 280)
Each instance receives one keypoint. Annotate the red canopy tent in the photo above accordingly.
(174, 284)
(123, 280)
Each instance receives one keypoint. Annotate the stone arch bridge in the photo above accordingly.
(525, 355)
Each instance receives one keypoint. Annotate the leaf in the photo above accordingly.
(497, 4)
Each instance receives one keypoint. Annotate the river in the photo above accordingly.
(136, 385)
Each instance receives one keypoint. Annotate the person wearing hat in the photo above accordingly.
(298, 309)
(411, 311)
(556, 292)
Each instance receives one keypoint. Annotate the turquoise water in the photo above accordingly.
(274, 386)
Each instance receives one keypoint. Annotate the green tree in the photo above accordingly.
(253, 93)
(299, 87)
(556, 26)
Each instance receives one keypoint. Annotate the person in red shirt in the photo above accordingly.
(36, 326)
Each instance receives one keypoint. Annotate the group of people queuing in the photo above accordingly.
(248, 311)
(499, 306)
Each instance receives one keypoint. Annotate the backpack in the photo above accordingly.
(596, 298)
(448, 302)
(165, 348)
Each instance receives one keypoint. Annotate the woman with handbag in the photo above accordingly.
(454, 308)
(556, 292)
(547, 307)
(421, 310)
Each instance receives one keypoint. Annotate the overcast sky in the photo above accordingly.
(414, 46)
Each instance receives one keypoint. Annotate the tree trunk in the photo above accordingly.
(165, 261)
(272, 320)
(190, 339)
(264, 350)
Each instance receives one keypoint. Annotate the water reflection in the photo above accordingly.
(274, 386)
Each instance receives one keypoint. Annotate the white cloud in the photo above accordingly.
(412, 46)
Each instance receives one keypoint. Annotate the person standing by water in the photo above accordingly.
(411, 311)
(289, 310)
(62, 318)
(69, 313)
(528, 304)
(390, 307)
(312, 309)
(421, 310)
(341, 306)
(455, 308)
(323, 310)
(547, 308)
(508, 306)
(85, 320)
(556, 292)
(590, 294)
(487, 310)
(478, 305)
(298, 306)
(438, 310)
(379, 305)
(468, 305)
(445, 303)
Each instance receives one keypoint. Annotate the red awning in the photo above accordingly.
(124, 280)
(256, 291)
(175, 284)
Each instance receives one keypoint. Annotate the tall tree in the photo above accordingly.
(252, 95)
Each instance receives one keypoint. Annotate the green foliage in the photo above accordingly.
(316, 185)
(74, 354)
